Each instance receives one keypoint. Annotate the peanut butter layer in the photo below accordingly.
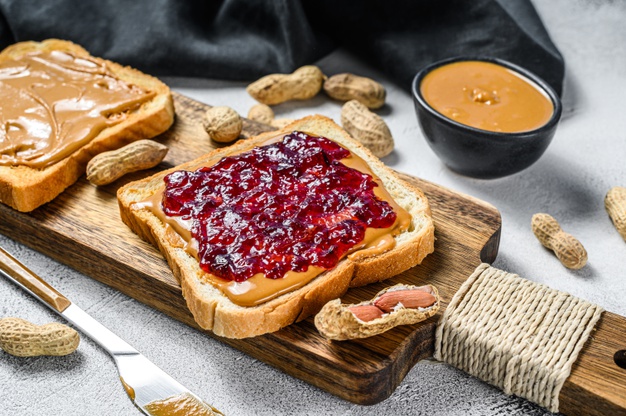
(487, 96)
(53, 103)
(259, 289)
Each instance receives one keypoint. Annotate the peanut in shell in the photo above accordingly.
(367, 127)
(565, 246)
(24, 339)
(304, 83)
(339, 322)
(346, 87)
(223, 124)
(615, 204)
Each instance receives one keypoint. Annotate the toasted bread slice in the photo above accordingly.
(25, 188)
(214, 311)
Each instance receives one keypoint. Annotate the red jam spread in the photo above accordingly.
(276, 208)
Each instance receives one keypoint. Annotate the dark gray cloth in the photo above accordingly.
(244, 39)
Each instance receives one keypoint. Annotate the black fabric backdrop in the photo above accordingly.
(245, 39)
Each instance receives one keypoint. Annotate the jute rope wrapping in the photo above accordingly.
(520, 336)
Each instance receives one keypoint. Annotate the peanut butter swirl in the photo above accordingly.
(53, 103)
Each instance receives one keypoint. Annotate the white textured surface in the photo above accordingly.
(585, 159)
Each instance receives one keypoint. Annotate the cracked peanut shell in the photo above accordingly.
(337, 322)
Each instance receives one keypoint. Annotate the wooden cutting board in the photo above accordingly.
(82, 229)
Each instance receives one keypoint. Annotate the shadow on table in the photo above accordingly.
(43, 365)
(553, 185)
(513, 264)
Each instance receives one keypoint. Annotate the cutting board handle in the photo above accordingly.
(596, 385)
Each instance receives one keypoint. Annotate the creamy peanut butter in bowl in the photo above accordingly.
(485, 117)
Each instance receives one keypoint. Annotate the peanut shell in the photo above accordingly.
(615, 203)
(366, 127)
(337, 321)
(304, 83)
(346, 87)
(24, 339)
(262, 113)
(566, 247)
(107, 167)
(223, 124)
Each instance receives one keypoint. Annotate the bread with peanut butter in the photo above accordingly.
(60, 107)
(400, 234)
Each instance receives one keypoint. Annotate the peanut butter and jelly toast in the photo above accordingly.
(263, 233)
(60, 107)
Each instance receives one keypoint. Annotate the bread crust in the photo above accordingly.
(212, 310)
(25, 188)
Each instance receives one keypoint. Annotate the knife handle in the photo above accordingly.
(17, 272)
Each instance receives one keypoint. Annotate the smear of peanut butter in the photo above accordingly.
(53, 103)
(181, 405)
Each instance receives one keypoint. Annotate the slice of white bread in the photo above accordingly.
(214, 311)
(25, 188)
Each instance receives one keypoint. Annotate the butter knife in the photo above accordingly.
(152, 390)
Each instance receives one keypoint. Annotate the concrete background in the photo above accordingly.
(586, 158)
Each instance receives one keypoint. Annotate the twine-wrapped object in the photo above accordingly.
(520, 336)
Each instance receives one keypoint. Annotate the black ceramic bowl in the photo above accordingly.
(480, 153)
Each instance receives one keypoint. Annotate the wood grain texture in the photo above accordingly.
(596, 385)
(82, 229)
